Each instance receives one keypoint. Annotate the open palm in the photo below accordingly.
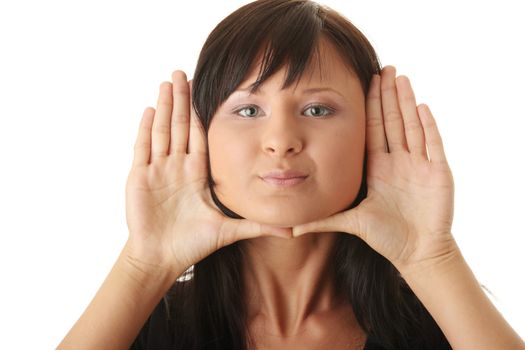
(407, 215)
(170, 212)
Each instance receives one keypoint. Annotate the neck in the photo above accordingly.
(288, 280)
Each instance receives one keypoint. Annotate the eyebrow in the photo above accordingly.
(305, 91)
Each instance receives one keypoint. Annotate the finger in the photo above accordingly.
(161, 129)
(436, 152)
(197, 143)
(375, 132)
(413, 128)
(180, 117)
(143, 143)
(341, 222)
(394, 128)
(233, 230)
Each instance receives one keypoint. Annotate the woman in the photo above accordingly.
(334, 197)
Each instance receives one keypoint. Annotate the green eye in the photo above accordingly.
(317, 110)
(252, 111)
(320, 110)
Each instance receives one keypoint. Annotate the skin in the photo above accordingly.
(406, 218)
(290, 282)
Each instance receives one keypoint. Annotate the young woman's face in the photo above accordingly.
(318, 133)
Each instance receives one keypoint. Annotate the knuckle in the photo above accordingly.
(165, 101)
(374, 122)
(412, 125)
(181, 89)
(221, 236)
(158, 154)
(165, 94)
(140, 146)
(387, 88)
(162, 129)
(374, 95)
(179, 147)
(408, 98)
(145, 127)
(180, 118)
(392, 116)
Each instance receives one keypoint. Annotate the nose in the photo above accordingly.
(282, 135)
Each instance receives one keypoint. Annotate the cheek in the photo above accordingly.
(341, 165)
(229, 157)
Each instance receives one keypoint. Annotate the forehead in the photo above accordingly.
(325, 67)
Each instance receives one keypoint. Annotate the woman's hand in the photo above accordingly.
(407, 215)
(170, 213)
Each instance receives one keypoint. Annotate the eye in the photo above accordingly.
(317, 110)
(320, 110)
(251, 111)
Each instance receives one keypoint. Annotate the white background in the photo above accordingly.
(76, 76)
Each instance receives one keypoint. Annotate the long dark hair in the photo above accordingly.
(207, 311)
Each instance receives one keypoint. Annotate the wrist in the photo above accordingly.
(446, 257)
(451, 293)
(146, 272)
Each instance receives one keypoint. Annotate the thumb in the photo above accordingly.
(233, 230)
(340, 222)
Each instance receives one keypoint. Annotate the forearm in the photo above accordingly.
(467, 317)
(121, 306)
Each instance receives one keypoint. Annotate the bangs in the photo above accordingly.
(272, 34)
(293, 43)
(282, 33)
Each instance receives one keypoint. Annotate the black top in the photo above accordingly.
(155, 334)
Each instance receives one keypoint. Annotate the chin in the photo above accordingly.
(281, 219)
(281, 214)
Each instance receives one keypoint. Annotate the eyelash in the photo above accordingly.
(329, 110)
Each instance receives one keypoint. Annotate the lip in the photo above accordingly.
(284, 174)
(284, 178)
(292, 181)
